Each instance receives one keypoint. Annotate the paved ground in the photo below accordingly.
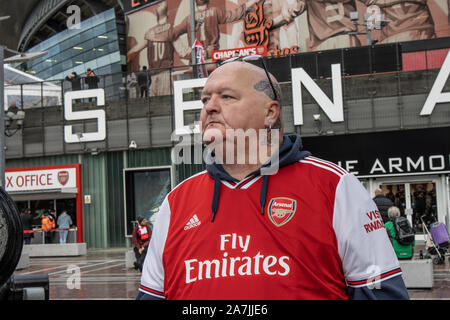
(101, 274)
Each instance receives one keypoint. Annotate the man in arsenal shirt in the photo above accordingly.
(279, 225)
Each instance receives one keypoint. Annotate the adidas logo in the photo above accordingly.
(193, 222)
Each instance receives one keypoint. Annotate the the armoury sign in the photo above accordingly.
(333, 108)
(393, 153)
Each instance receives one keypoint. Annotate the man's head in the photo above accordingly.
(393, 212)
(238, 95)
(141, 220)
(378, 192)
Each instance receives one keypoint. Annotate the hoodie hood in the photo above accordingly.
(289, 152)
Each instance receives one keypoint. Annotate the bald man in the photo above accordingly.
(280, 224)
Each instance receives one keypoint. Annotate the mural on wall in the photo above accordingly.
(159, 34)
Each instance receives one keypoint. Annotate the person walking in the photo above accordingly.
(141, 238)
(64, 222)
(47, 225)
(383, 204)
(27, 221)
(75, 81)
(91, 79)
(403, 251)
(144, 81)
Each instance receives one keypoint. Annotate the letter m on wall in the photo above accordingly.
(333, 109)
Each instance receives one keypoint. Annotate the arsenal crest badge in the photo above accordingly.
(281, 210)
(63, 177)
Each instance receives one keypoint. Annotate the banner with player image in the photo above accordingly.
(159, 35)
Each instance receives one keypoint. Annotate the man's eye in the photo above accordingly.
(205, 100)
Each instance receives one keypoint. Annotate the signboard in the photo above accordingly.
(332, 107)
(43, 179)
(133, 5)
(50, 179)
(408, 152)
(98, 114)
(238, 52)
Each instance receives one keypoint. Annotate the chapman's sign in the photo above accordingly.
(238, 52)
(333, 107)
(132, 5)
(40, 179)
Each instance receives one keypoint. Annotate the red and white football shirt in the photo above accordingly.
(320, 233)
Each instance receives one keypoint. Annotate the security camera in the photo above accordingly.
(95, 151)
(79, 135)
(132, 145)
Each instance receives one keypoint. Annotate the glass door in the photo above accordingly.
(416, 200)
(423, 197)
(396, 193)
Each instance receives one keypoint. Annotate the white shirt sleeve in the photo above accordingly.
(364, 247)
(152, 279)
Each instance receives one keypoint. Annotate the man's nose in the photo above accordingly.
(212, 105)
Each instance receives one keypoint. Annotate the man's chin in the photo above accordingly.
(212, 136)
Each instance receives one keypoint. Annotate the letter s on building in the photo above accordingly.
(69, 136)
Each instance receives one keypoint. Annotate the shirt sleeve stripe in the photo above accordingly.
(331, 164)
(383, 276)
(151, 291)
(326, 167)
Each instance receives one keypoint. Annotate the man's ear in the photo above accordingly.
(272, 112)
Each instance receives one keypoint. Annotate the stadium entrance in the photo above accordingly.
(422, 199)
(48, 188)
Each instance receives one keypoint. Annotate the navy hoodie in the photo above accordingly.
(289, 152)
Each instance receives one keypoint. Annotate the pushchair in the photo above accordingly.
(437, 241)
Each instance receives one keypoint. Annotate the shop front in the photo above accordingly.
(45, 188)
(412, 167)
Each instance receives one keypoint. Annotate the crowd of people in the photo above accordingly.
(50, 223)
(138, 83)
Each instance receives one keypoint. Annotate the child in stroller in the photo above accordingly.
(438, 241)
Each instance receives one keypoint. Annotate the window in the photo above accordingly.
(145, 190)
